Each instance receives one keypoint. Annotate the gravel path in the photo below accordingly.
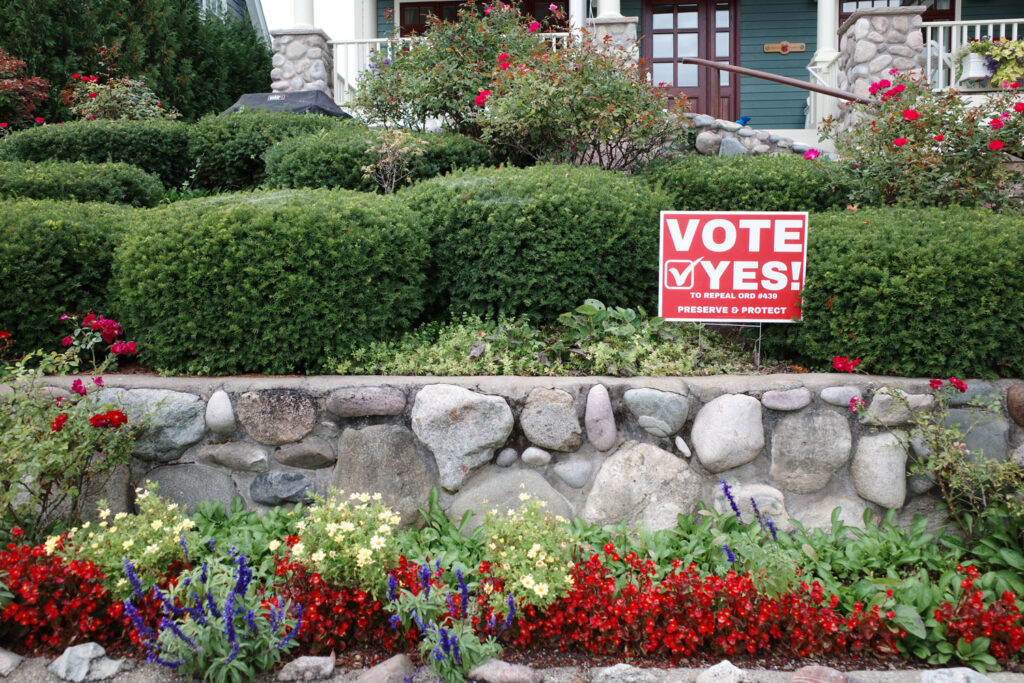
(34, 671)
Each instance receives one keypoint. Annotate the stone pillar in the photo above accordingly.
(303, 60)
(873, 41)
(620, 32)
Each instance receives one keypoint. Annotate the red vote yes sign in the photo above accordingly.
(718, 266)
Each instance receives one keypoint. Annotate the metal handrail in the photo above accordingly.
(785, 80)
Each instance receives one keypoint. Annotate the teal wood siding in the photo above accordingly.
(385, 28)
(773, 105)
(972, 10)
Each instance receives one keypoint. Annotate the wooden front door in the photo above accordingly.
(707, 29)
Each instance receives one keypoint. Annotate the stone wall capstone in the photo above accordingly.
(605, 449)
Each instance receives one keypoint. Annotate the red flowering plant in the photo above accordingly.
(914, 145)
(54, 603)
(59, 446)
(444, 75)
(599, 107)
(19, 94)
(109, 95)
(96, 331)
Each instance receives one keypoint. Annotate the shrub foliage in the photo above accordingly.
(337, 158)
(537, 241)
(158, 147)
(915, 292)
(268, 282)
(761, 183)
(55, 257)
(228, 150)
(80, 181)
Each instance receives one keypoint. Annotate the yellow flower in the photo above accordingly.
(86, 525)
(318, 556)
(103, 525)
(364, 557)
(377, 496)
(151, 549)
(128, 544)
(120, 515)
(94, 546)
(274, 545)
(51, 544)
(157, 524)
(104, 514)
(394, 519)
(384, 529)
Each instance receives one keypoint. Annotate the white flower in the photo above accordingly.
(86, 525)
(172, 507)
(540, 563)
(541, 589)
(151, 549)
(94, 546)
(347, 527)
(332, 554)
(297, 549)
(534, 549)
(51, 544)
(274, 545)
(377, 496)
(104, 514)
(103, 525)
(318, 556)
(384, 530)
(394, 519)
(331, 528)
(364, 557)
(524, 497)
(128, 544)
(120, 582)
(157, 525)
(120, 515)
(301, 525)
(527, 581)
(378, 542)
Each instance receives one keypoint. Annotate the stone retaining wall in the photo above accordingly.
(717, 137)
(605, 449)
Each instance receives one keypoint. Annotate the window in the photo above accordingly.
(937, 10)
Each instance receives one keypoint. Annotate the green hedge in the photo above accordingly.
(761, 183)
(269, 282)
(336, 158)
(80, 181)
(538, 241)
(915, 292)
(158, 147)
(55, 257)
(228, 149)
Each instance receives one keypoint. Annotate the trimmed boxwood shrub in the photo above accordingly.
(158, 147)
(55, 257)
(761, 183)
(538, 241)
(272, 282)
(915, 292)
(80, 181)
(336, 158)
(228, 149)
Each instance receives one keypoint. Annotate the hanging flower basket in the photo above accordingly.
(973, 69)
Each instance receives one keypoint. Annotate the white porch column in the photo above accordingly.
(828, 30)
(577, 13)
(304, 13)
(369, 18)
(607, 9)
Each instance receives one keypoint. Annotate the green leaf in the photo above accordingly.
(909, 619)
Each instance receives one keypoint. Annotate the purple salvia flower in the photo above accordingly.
(771, 527)
(395, 621)
(171, 626)
(757, 512)
(230, 610)
(137, 621)
(392, 588)
(133, 579)
(728, 553)
(456, 653)
(250, 619)
(732, 501)
(295, 631)
(463, 592)
(511, 602)
(451, 603)
(184, 548)
(212, 605)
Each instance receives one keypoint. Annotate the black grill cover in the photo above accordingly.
(302, 101)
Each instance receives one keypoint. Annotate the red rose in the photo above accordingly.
(4, 334)
(92, 95)
(939, 138)
(75, 77)
(899, 142)
(996, 145)
(1018, 107)
(58, 422)
(911, 115)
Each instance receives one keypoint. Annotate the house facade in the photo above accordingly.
(248, 10)
(801, 39)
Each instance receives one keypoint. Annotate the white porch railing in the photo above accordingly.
(943, 41)
(820, 106)
(353, 57)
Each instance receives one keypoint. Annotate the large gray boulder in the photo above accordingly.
(280, 488)
(73, 664)
(879, 470)
(786, 399)
(365, 401)
(501, 491)
(190, 484)
(661, 413)
(276, 416)
(236, 455)
(307, 669)
(728, 432)
(771, 504)
(808, 448)
(311, 453)
(890, 406)
(383, 459)
(985, 432)
(549, 420)
(819, 515)
(461, 428)
(397, 669)
(960, 674)
(642, 483)
(174, 420)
